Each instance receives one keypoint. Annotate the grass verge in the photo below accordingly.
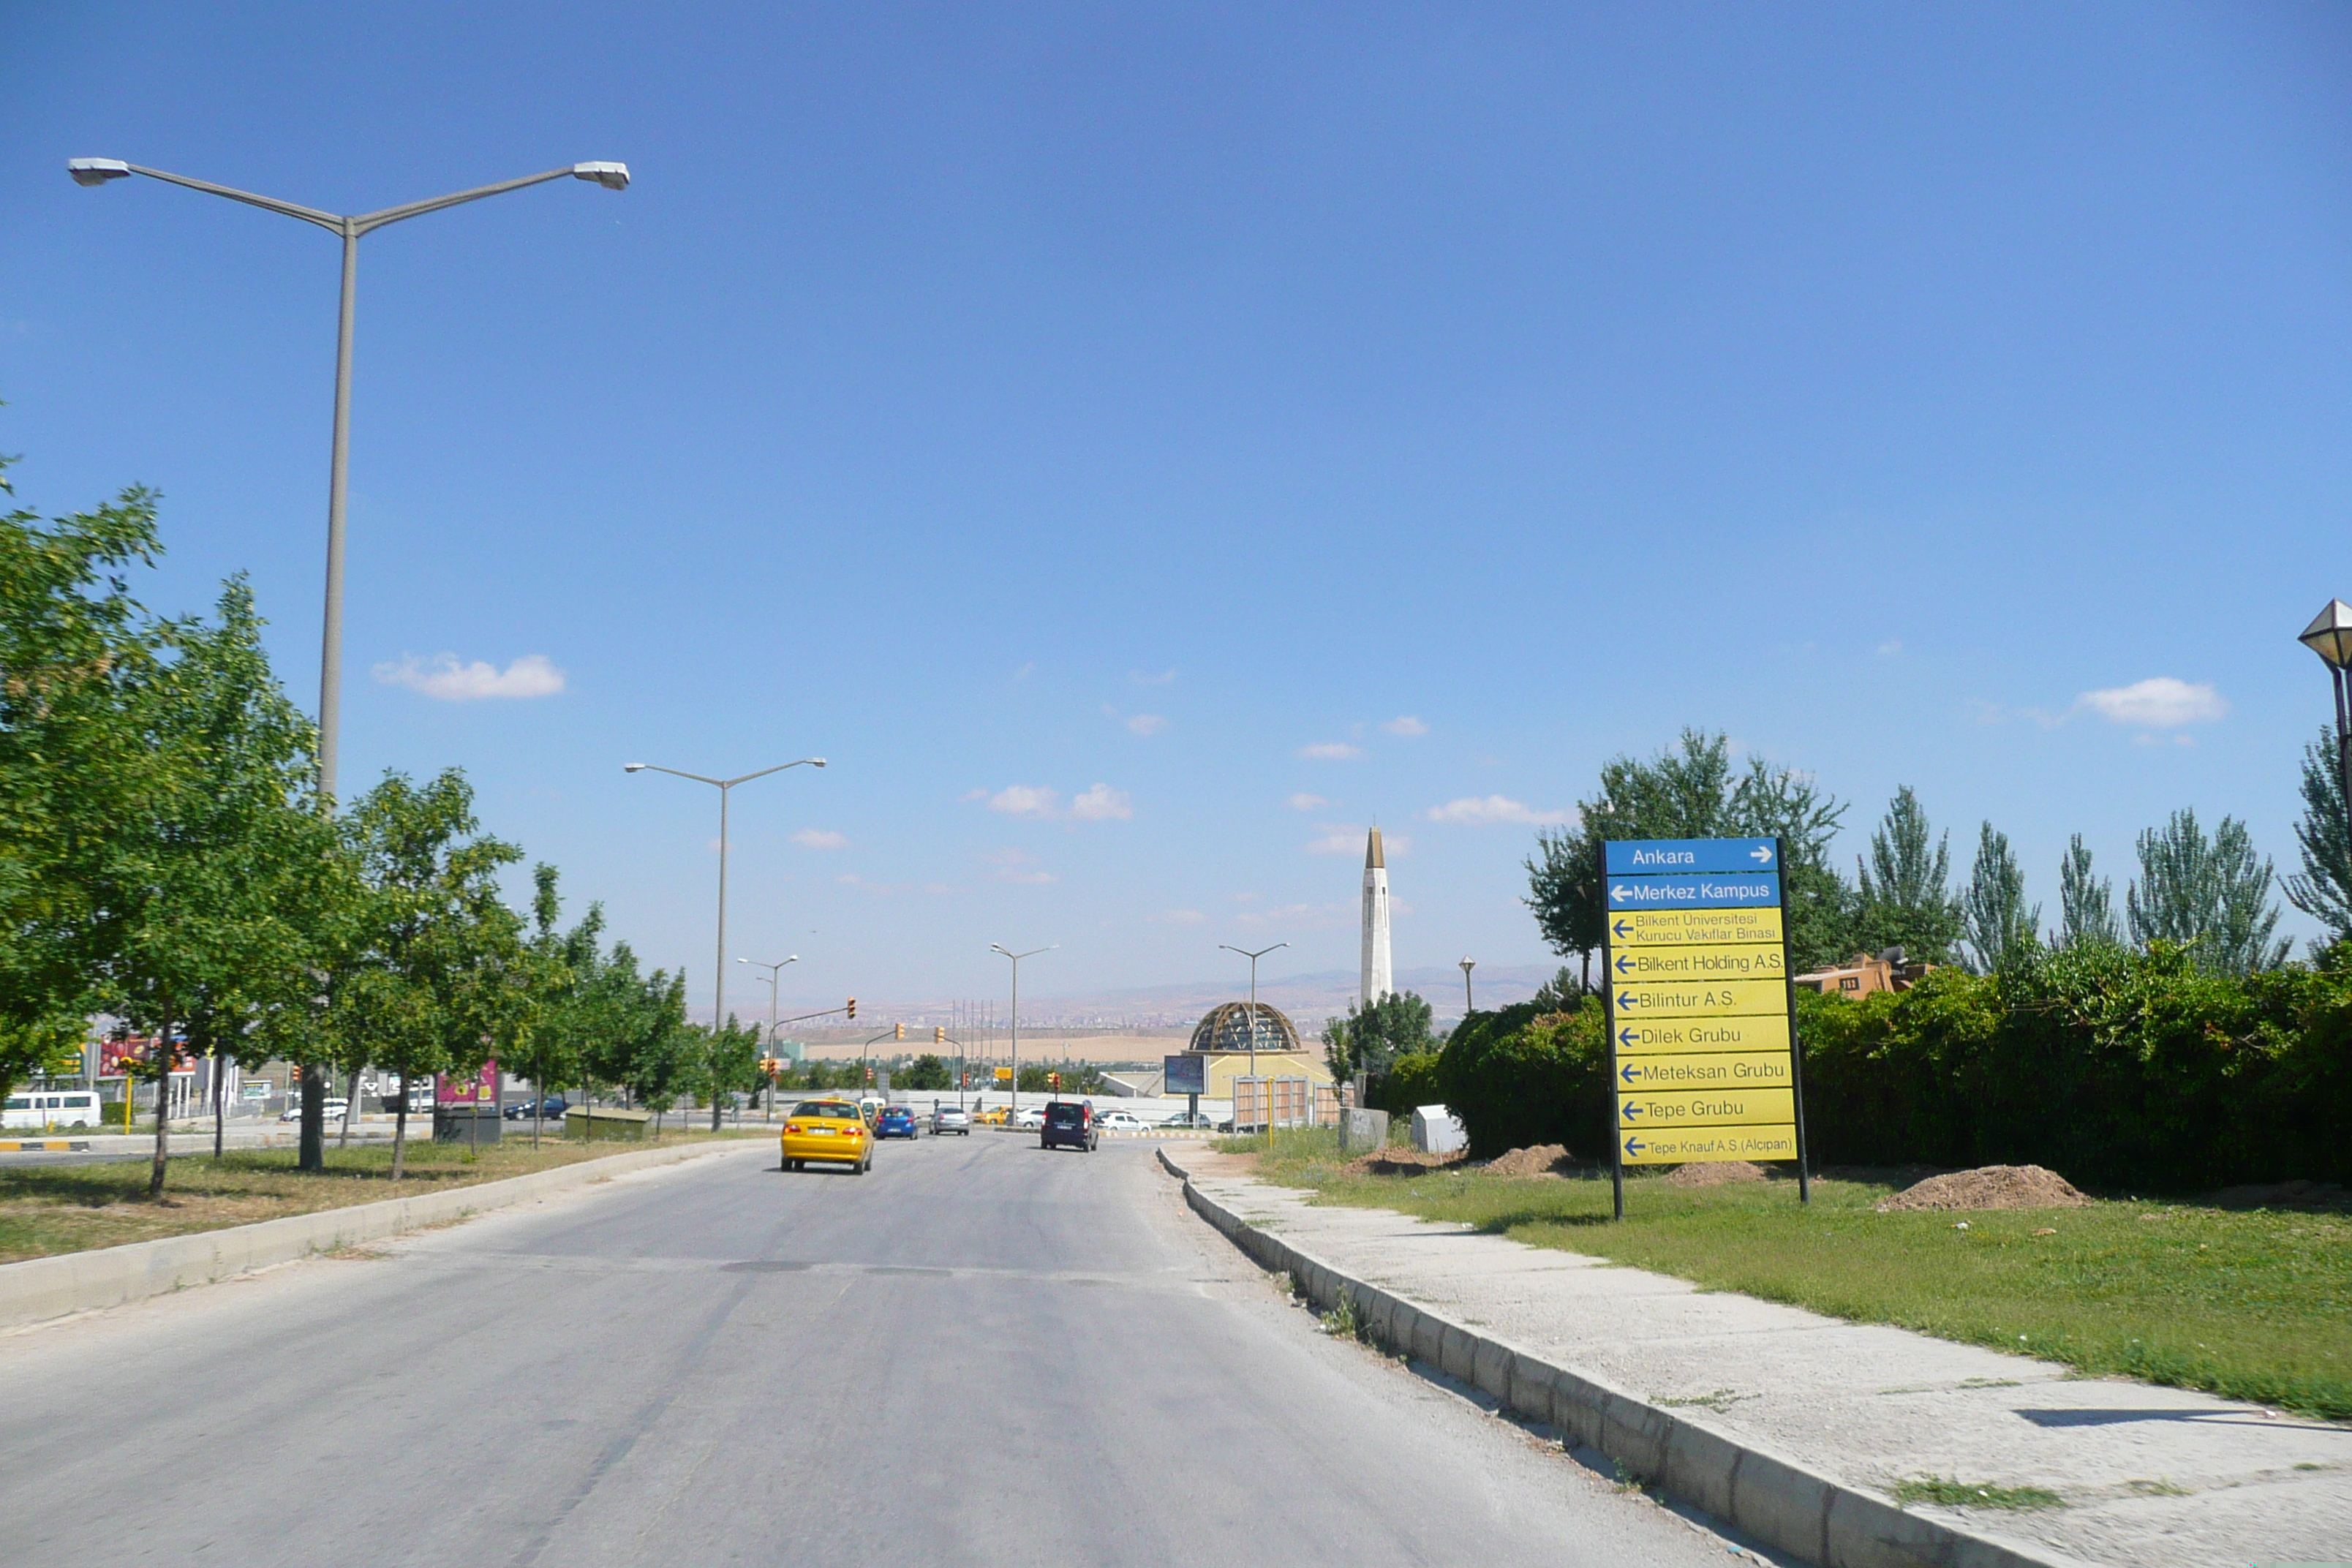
(1948, 1493)
(2254, 1306)
(49, 1209)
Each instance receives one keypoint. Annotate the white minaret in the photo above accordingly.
(1376, 921)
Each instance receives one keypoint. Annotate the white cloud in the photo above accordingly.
(1347, 838)
(2159, 702)
(1331, 751)
(1488, 810)
(1305, 802)
(1147, 723)
(1298, 917)
(819, 839)
(1102, 804)
(1018, 865)
(1406, 724)
(1024, 800)
(1141, 679)
(1183, 918)
(1890, 647)
(454, 680)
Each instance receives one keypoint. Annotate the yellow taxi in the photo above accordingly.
(833, 1130)
(993, 1117)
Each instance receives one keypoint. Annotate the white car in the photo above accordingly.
(1120, 1122)
(334, 1112)
(1029, 1116)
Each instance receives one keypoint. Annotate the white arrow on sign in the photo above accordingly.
(1762, 854)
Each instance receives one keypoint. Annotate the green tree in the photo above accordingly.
(1903, 898)
(194, 928)
(1692, 791)
(75, 648)
(2086, 901)
(443, 982)
(2210, 897)
(2323, 890)
(721, 1063)
(929, 1072)
(1374, 1034)
(562, 968)
(1992, 910)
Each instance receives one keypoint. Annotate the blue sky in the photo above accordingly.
(1141, 447)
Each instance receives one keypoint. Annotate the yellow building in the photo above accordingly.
(1223, 1039)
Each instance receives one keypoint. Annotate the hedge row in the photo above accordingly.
(2121, 1070)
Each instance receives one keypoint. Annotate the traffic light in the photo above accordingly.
(1054, 1081)
(869, 1077)
(902, 1031)
(939, 1034)
(853, 1006)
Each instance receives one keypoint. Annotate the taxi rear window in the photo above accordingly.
(832, 1108)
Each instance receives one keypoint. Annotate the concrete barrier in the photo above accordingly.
(41, 1288)
(1758, 1492)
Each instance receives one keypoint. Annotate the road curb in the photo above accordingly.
(1755, 1490)
(41, 1289)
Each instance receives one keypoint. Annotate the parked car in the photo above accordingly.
(551, 1109)
(1029, 1117)
(294, 1112)
(1200, 1120)
(896, 1121)
(1068, 1124)
(992, 1117)
(1120, 1121)
(951, 1119)
(832, 1131)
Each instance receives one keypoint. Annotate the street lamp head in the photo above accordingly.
(2330, 635)
(633, 767)
(611, 177)
(816, 762)
(97, 170)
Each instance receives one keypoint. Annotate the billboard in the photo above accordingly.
(480, 1088)
(1186, 1074)
(140, 1050)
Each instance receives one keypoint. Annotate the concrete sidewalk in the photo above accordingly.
(2153, 1476)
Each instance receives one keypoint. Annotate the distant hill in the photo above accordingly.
(1309, 999)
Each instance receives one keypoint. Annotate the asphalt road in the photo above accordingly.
(981, 1352)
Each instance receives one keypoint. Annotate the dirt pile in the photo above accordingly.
(1990, 1187)
(1715, 1172)
(1400, 1163)
(1543, 1159)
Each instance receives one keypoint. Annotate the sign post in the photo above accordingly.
(1703, 1055)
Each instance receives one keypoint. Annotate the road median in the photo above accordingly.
(42, 1290)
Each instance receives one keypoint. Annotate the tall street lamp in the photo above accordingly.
(2330, 636)
(718, 987)
(773, 970)
(1468, 1006)
(98, 171)
(1254, 957)
(1016, 958)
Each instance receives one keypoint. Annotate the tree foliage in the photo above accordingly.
(1692, 791)
(2210, 897)
(1903, 896)
(1993, 912)
(2323, 889)
(1374, 1034)
(2086, 901)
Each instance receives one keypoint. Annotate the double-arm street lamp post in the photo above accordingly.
(773, 970)
(1264, 1105)
(724, 786)
(2330, 636)
(1016, 957)
(98, 171)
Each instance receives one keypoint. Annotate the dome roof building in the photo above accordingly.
(1226, 1027)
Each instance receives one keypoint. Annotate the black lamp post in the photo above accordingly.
(2330, 636)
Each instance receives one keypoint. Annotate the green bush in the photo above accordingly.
(1524, 1076)
(2118, 1069)
(1410, 1081)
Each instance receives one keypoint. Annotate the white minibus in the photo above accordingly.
(44, 1109)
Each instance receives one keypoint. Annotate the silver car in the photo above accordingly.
(951, 1119)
